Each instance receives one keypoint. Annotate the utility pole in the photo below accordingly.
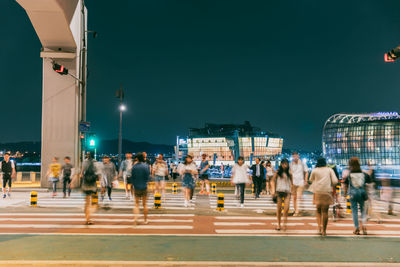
(120, 94)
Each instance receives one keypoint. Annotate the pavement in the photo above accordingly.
(54, 234)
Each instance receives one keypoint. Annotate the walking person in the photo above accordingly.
(125, 172)
(89, 176)
(188, 170)
(159, 172)
(373, 197)
(109, 172)
(53, 174)
(203, 174)
(269, 176)
(258, 176)
(299, 172)
(66, 170)
(283, 187)
(7, 167)
(240, 177)
(139, 179)
(323, 182)
(355, 183)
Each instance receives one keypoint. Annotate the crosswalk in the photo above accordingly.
(119, 201)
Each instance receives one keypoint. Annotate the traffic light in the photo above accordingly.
(91, 142)
(392, 55)
(60, 69)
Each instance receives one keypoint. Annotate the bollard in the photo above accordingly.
(95, 199)
(252, 189)
(348, 209)
(157, 201)
(174, 188)
(338, 189)
(214, 188)
(33, 199)
(220, 202)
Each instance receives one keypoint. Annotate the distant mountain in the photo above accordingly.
(22, 146)
(111, 147)
(104, 147)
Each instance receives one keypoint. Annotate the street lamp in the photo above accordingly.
(120, 94)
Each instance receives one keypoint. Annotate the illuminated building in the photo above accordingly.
(223, 143)
(374, 138)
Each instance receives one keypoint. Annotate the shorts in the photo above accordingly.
(89, 192)
(140, 193)
(282, 194)
(158, 178)
(188, 181)
(269, 178)
(323, 199)
(6, 180)
(203, 176)
(126, 179)
(298, 190)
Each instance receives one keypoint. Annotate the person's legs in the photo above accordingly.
(156, 186)
(109, 190)
(363, 219)
(201, 186)
(87, 207)
(145, 210)
(207, 185)
(136, 209)
(242, 187)
(54, 188)
(69, 187)
(324, 210)
(279, 211)
(299, 198)
(294, 194)
(319, 218)
(9, 186)
(286, 210)
(354, 212)
(65, 186)
(162, 184)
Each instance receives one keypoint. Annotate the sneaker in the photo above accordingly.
(208, 193)
(242, 205)
(186, 204)
(201, 192)
(8, 194)
(4, 195)
(109, 199)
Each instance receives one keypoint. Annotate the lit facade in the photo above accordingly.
(223, 143)
(374, 138)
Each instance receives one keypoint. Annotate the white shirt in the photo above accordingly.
(240, 174)
(298, 169)
(322, 179)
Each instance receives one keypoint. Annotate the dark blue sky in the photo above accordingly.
(285, 66)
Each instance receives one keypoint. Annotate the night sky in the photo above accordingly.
(285, 66)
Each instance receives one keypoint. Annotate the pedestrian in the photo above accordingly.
(139, 179)
(109, 173)
(7, 167)
(355, 183)
(175, 173)
(240, 177)
(89, 176)
(203, 174)
(159, 172)
(125, 172)
(373, 197)
(188, 170)
(258, 176)
(66, 176)
(283, 187)
(53, 174)
(299, 172)
(323, 181)
(269, 176)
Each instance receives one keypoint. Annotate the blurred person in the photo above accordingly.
(299, 172)
(188, 170)
(270, 172)
(159, 171)
(257, 176)
(240, 177)
(387, 193)
(282, 188)
(372, 191)
(323, 181)
(109, 172)
(174, 170)
(66, 170)
(203, 174)
(53, 174)
(89, 175)
(7, 167)
(126, 171)
(355, 183)
(139, 180)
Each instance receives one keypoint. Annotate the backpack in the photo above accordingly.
(358, 192)
(90, 176)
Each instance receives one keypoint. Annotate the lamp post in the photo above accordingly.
(120, 94)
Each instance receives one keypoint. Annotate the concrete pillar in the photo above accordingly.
(32, 176)
(19, 176)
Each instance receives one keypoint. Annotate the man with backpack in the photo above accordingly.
(66, 174)
(89, 176)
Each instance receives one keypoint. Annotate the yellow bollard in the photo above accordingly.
(252, 189)
(95, 199)
(174, 188)
(214, 188)
(33, 199)
(338, 189)
(157, 201)
(348, 209)
(220, 202)
(283, 204)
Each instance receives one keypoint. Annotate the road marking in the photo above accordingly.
(268, 231)
(74, 226)
(82, 219)
(290, 224)
(94, 215)
(237, 223)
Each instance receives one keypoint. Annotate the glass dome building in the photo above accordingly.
(374, 138)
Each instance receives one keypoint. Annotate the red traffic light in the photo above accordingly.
(60, 69)
(392, 55)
